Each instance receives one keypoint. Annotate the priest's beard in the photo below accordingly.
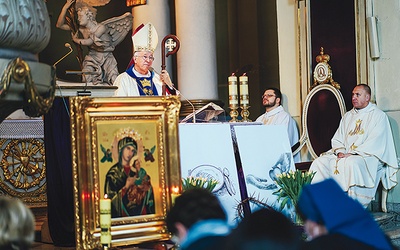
(269, 104)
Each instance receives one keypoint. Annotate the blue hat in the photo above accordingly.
(327, 204)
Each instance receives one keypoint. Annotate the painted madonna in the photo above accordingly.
(127, 184)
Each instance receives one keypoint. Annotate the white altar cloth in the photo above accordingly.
(207, 150)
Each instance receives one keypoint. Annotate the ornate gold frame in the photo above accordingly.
(88, 115)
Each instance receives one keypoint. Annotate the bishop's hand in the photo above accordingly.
(164, 76)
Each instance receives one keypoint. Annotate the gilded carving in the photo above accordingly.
(23, 169)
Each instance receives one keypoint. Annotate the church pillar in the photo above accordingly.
(196, 58)
(156, 12)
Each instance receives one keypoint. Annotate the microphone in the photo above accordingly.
(180, 94)
(67, 45)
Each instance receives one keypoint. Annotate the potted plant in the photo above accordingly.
(198, 182)
(290, 185)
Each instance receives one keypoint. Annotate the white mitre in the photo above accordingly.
(145, 38)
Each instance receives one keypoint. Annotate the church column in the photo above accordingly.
(156, 12)
(196, 58)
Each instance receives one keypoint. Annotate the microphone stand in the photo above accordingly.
(178, 93)
(191, 104)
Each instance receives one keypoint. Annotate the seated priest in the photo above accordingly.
(276, 115)
(140, 79)
(363, 151)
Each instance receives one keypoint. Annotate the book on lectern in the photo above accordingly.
(204, 114)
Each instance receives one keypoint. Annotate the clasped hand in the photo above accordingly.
(164, 76)
(343, 155)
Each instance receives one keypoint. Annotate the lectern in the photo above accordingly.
(57, 137)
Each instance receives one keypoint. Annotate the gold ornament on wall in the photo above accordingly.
(131, 3)
(24, 170)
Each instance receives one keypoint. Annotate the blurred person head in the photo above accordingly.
(17, 224)
(193, 206)
(265, 229)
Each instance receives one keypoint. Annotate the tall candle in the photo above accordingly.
(174, 194)
(233, 90)
(244, 90)
(105, 221)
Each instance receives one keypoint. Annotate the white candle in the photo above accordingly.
(232, 83)
(233, 100)
(105, 221)
(233, 90)
(244, 87)
(174, 194)
(244, 101)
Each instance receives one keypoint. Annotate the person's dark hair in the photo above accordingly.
(366, 88)
(277, 93)
(265, 229)
(194, 205)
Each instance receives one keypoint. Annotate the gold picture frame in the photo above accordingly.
(101, 128)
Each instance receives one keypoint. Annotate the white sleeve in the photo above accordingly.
(126, 85)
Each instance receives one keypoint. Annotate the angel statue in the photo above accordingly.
(99, 65)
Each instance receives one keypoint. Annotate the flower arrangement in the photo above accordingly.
(290, 185)
(199, 182)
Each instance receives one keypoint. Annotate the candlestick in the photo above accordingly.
(105, 222)
(233, 97)
(244, 97)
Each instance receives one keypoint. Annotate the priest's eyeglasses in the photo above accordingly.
(267, 96)
(147, 58)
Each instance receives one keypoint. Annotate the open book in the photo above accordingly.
(205, 113)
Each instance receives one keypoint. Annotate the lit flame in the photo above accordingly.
(175, 190)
